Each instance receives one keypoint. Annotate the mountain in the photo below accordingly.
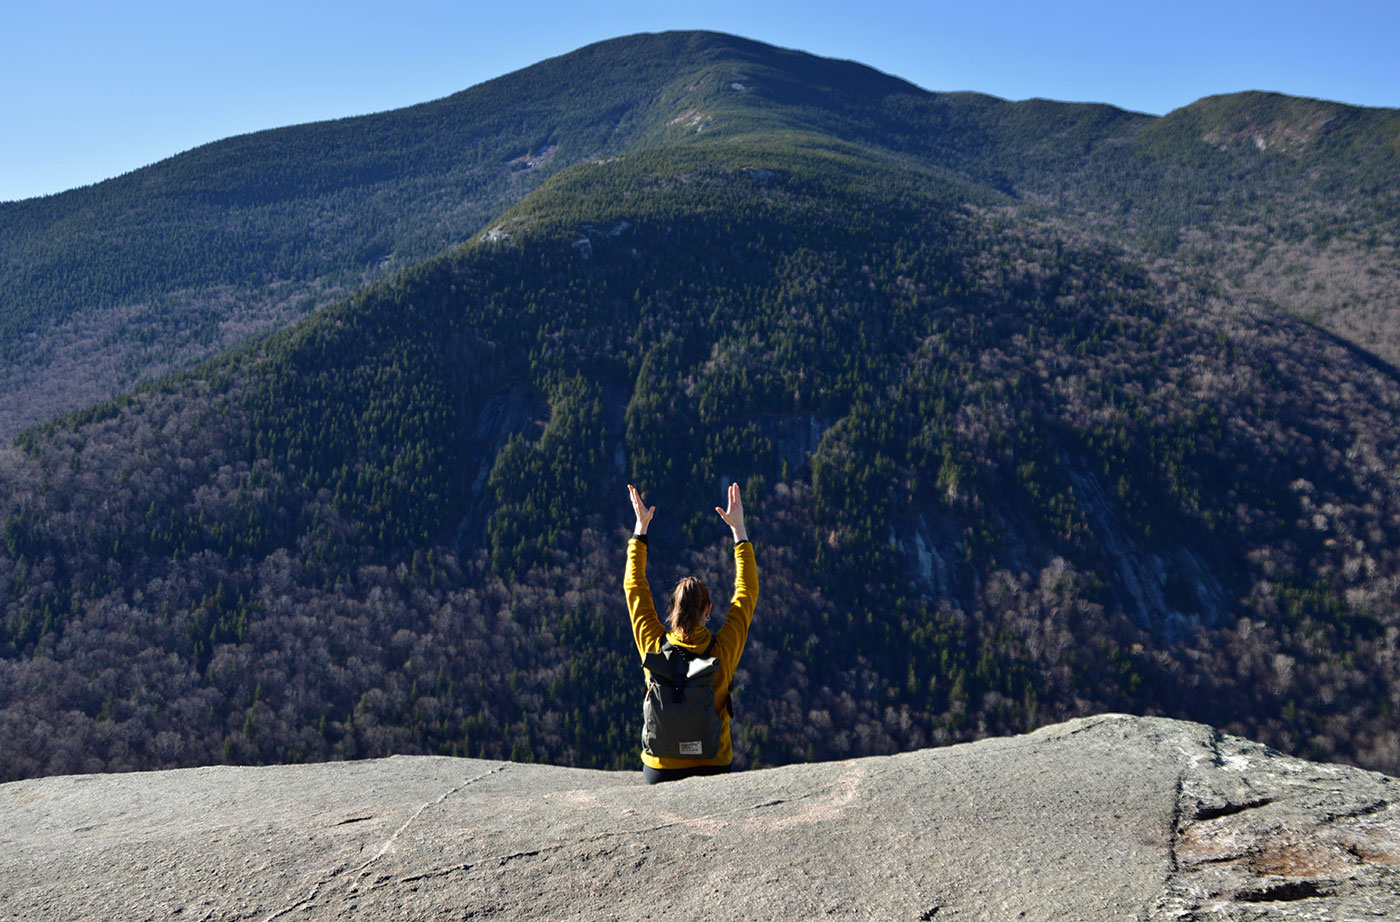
(1103, 818)
(1279, 199)
(1005, 465)
(113, 284)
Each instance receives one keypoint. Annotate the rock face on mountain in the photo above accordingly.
(1110, 817)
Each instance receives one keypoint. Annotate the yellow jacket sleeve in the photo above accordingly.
(735, 633)
(646, 624)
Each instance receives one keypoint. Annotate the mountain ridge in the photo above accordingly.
(184, 276)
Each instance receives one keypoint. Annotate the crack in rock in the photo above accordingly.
(360, 872)
(1212, 813)
(500, 860)
(1288, 892)
(1174, 834)
(309, 898)
(389, 843)
(705, 821)
(1368, 810)
(1165, 898)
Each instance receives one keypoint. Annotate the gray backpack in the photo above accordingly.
(679, 717)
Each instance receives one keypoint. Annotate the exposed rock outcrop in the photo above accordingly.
(1109, 817)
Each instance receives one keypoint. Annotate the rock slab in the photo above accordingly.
(1110, 817)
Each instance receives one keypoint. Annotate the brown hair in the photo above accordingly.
(690, 602)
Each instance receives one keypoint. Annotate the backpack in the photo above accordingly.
(679, 717)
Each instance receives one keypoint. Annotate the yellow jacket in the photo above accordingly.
(647, 630)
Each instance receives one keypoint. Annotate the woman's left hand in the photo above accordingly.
(640, 508)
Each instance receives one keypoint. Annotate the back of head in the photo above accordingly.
(690, 603)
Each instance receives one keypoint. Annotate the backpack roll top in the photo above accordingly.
(680, 719)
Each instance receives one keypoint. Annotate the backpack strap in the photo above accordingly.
(728, 705)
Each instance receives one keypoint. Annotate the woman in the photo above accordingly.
(689, 610)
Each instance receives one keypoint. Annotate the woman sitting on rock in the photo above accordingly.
(688, 670)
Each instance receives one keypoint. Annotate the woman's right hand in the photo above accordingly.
(640, 508)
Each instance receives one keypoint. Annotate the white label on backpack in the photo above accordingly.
(691, 749)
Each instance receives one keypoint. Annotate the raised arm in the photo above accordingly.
(735, 633)
(646, 624)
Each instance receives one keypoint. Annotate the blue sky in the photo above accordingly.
(92, 90)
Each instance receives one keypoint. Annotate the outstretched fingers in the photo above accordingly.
(735, 513)
(639, 506)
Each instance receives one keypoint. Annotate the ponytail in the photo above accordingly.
(690, 602)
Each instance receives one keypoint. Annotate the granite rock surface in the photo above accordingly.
(1109, 817)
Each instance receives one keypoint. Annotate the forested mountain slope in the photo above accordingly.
(1287, 200)
(112, 284)
(998, 474)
